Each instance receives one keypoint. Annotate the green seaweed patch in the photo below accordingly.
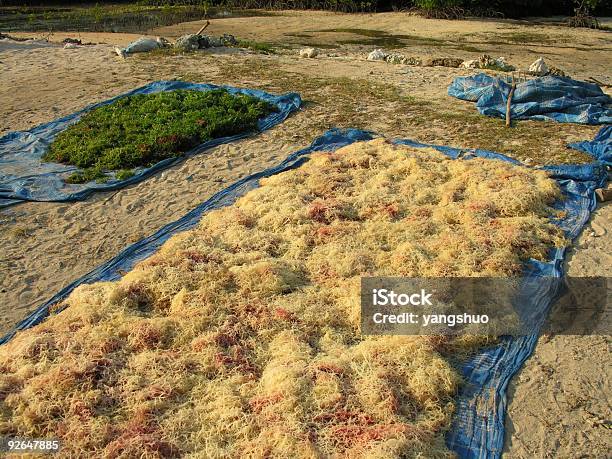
(125, 174)
(141, 130)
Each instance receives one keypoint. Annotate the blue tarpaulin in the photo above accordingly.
(478, 426)
(600, 147)
(24, 177)
(548, 98)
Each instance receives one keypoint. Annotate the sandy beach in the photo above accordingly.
(564, 388)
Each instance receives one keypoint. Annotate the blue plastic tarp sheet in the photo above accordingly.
(24, 177)
(548, 98)
(600, 147)
(478, 426)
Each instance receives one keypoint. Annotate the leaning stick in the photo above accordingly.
(597, 82)
(509, 104)
(203, 27)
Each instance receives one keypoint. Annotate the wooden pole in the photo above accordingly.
(203, 27)
(509, 104)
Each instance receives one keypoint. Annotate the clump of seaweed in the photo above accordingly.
(241, 337)
(143, 129)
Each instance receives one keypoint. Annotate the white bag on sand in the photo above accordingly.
(502, 64)
(539, 67)
(486, 62)
(377, 55)
(471, 64)
(309, 52)
(142, 45)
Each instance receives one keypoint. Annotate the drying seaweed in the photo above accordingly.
(143, 129)
(241, 337)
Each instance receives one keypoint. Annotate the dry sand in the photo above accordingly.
(519, 41)
(560, 401)
(562, 395)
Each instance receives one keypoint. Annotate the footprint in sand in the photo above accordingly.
(598, 230)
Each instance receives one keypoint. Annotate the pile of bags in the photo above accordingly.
(392, 58)
(190, 42)
(142, 45)
(487, 62)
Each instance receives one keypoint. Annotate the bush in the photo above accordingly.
(142, 130)
(440, 9)
(432, 4)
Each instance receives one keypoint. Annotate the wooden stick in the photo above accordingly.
(203, 27)
(603, 85)
(509, 104)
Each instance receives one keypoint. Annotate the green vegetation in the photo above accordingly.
(138, 16)
(453, 9)
(142, 130)
(124, 174)
(98, 18)
(134, 18)
(257, 46)
(144, 15)
(437, 4)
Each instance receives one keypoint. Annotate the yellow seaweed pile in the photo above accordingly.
(240, 338)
